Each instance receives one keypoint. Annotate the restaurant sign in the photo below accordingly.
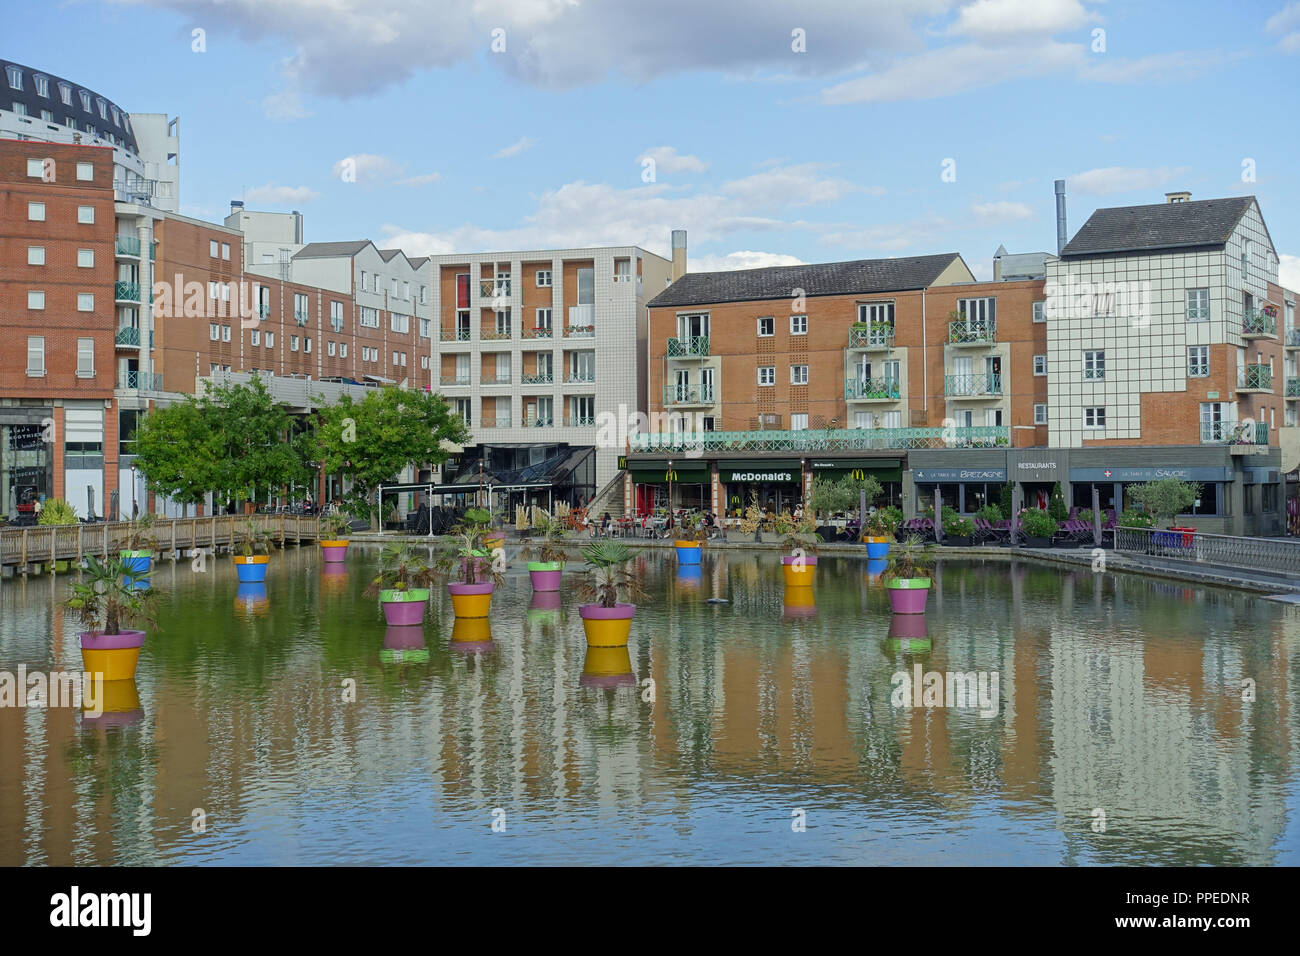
(959, 474)
(1150, 474)
(755, 475)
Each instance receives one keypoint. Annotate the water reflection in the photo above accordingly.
(692, 743)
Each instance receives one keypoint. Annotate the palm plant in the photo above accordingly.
(107, 596)
(252, 539)
(607, 575)
(910, 560)
(467, 555)
(801, 533)
(401, 568)
(548, 532)
(57, 511)
(140, 536)
(335, 526)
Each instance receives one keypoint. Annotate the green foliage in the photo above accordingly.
(140, 536)
(1166, 498)
(548, 532)
(106, 597)
(1056, 504)
(990, 513)
(335, 526)
(830, 496)
(1085, 515)
(401, 568)
(607, 575)
(252, 539)
(910, 559)
(883, 522)
(957, 526)
(466, 554)
(1136, 519)
(57, 511)
(1006, 499)
(1037, 523)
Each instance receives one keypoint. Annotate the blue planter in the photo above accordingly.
(138, 563)
(249, 573)
(688, 555)
(876, 566)
(877, 550)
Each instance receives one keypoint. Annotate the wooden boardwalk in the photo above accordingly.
(22, 547)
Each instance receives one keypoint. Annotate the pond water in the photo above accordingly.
(763, 730)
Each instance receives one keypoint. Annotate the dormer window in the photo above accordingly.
(103, 108)
(15, 77)
(117, 119)
(85, 100)
(42, 84)
(65, 94)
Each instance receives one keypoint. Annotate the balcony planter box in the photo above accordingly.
(251, 569)
(137, 561)
(799, 571)
(334, 551)
(471, 600)
(908, 595)
(688, 552)
(546, 575)
(404, 607)
(607, 626)
(877, 547)
(112, 655)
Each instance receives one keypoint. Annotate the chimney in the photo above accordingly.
(679, 254)
(997, 263)
(1178, 197)
(1060, 216)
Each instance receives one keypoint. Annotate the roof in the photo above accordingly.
(1169, 225)
(329, 250)
(53, 102)
(859, 276)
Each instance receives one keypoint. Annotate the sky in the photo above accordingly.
(773, 132)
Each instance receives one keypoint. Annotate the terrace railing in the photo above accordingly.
(1257, 322)
(694, 346)
(875, 337)
(830, 439)
(983, 383)
(962, 332)
(866, 388)
(1281, 555)
(1234, 433)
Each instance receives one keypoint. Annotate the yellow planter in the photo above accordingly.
(797, 576)
(607, 627)
(471, 600)
(494, 541)
(799, 597)
(116, 664)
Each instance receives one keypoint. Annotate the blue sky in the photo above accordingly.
(765, 154)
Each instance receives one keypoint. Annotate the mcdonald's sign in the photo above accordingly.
(857, 474)
(670, 475)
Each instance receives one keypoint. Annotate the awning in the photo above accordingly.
(746, 464)
(658, 474)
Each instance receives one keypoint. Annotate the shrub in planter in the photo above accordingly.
(801, 540)
(989, 513)
(907, 577)
(879, 530)
(335, 529)
(690, 542)
(57, 511)
(1136, 519)
(545, 557)
(477, 572)
(249, 565)
(140, 544)
(957, 531)
(402, 584)
(1038, 526)
(107, 599)
(607, 621)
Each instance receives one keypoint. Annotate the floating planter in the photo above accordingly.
(117, 706)
(251, 568)
(547, 570)
(877, 546)
(607, 626)
(404, 606)
(688, 552)
(250, 597)
(106, 600)
(137, 555)
(249, 565)
(401, 584)
(479, 560)
(546, 575)
(335, 551)
(471, 595)
(798, 602)
(607, 667)
(799, 570)
(908, 595)
(608, 622)
(494, 540)
(112, 655)
(334, 548)
(908, 578)
(471, 600)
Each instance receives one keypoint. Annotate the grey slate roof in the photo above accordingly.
(328, 250)
(1177, 225)
(858, 277)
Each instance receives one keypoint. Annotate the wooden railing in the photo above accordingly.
(45, 543)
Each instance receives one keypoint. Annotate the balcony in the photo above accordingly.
(1293, 388)
(1258, 324)
(683, 395)
(580, 378)
(1255, 378)
(694, 346)
(497, 334)
(129, 337)
(457, 379)
(1237, 434)
(582, 317)
(871, 390)
(876, 338)
(264, 311)
(961, 332)
(495, 378)
(497, 421)
(453, 335)
(984, 385)
(127, 292)
(820, 440)
(494, 288)
(300, 316)
(128, 246)
(140, 381)
(580, 332)
(538, 332)
(580, 421)
(538, 421)
(538, 378)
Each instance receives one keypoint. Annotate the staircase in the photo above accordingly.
(609, 498)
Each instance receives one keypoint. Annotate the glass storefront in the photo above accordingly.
(26, 470)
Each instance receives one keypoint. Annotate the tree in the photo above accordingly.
(370, 441)
(1056, 504)
(1006, 499)
(1166, 498)
(176, 449)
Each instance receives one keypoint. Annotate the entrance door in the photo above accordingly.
(706, 384)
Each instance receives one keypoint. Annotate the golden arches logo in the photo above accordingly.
(670, 475)
(857, 474)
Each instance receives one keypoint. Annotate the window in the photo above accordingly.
(766, 326)
(306, 345)
(426, 329)
(86, 215)
(336, 316)
(85, 258)
(543, 320)
(42, 84)
(393, 291)
(86, 172)
(1198, 305)
(36, 212)
(543, 278)
(65, 94)
(1040, 312)
(85, 302)
(225, 251)
(103, 107)
(1040, 364)
(798, 325)
(35, 300)
(300, 311)
(15, 77)
(214, 332)
(424, 361)
(343, 350)
(1198, 361)
(329, 347)
(1040, 413)
(977, 312)
(406, 290)
(36, 356)
(876, 313)
(36, 168)
(255, 337)
(399, 323)
(214, 290)
(36, 255)
(225, 333)
(293, 343)
(369, 318)
(424, 295)
(767, 375)
(48, 116)
(798, 374)
(270, 340)
(799, 422)
(213, 248)
(85, 100)
(1094, 417)
(363, 280)
(1094, 366)
(85, 358)
(20, 108)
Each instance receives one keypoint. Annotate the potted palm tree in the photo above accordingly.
(606, 620)
(907, 577)
(140, 544)
(547, 571)
(249, 565)
(477, 576)
(402, 584)
(801, 539)
(691, 540)
(335, 529)
(107, 599)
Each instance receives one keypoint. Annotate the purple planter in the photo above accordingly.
(546, 575)
(594, 612)
(809, 559)
(334, 555)
(404, 607)
(94, 641)
(546, 601)
(908, 596)
(403, 637)
(908, 627)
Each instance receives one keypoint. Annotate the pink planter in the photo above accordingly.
(403, 637)
(546, 576)
(333, 555)
(546, 601)
(404, 607)
(94, 641)
(908, 627)
(908, 595)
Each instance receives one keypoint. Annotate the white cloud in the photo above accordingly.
(1001, 18)
(515, 148)
(668, 160)
(1120, 179)
(421, 180)
(271, 193)
(1175, 67)
(1288, 272)
(741, 259)
(286, 104)
(997, 213)
(800, 185)
(1286, 22)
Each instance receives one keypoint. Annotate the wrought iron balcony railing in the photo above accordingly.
(126, 291)
(694, 346)
(453, 335)
(126, 246)
(1234, 433)
(1255, 377)
(962, 332)
(866, 389)
(967, 386)
(538, 378)
(818, 440)
(1257, 323)
(874, 337)
(688, 395)
(453, 380)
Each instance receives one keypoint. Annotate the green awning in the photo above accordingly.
(767, 464)
(880, 474)
(696, 475)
